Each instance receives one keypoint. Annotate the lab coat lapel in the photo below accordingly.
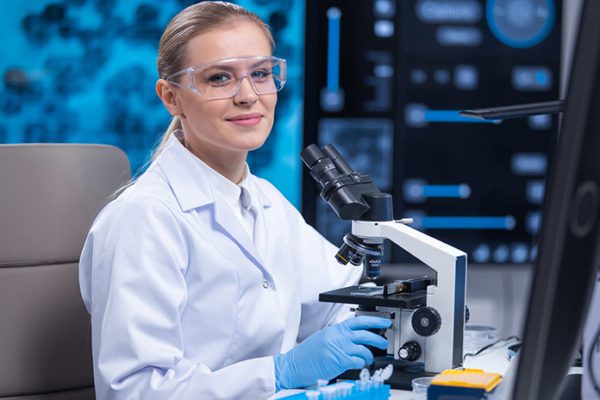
(231, 226)
(261, 233)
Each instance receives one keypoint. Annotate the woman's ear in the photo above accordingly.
(169, 97)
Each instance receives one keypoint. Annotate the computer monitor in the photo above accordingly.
(569, 249)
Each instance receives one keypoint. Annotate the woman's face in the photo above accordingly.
(238, 124)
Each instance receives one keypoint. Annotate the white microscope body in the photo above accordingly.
(428, 315)
(442, 349)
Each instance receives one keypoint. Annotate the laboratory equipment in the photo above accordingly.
(367, 387)
(428, 315)
(467, 384)
(420, 387)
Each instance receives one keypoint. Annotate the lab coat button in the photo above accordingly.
(265, 284)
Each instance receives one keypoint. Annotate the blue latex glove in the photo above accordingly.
(329, 352)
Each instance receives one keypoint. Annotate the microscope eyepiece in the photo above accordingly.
(311, 154)
(353, 196)
(322, 168)
(342, 187)
(337, 159)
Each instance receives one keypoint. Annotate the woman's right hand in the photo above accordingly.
(329, 352)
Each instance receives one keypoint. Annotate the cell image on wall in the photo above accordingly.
(84, 71)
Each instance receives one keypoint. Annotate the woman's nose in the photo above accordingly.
(245, 93)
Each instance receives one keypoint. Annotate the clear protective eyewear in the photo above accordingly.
(222, 79)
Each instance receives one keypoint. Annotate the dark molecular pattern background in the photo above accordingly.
(84, 71)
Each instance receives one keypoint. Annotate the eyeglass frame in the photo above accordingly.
(190, 71)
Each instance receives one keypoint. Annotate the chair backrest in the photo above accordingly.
(49, 197)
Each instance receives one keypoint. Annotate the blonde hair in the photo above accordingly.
(188, 23)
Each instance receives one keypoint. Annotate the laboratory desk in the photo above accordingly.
(395, 394)
(494, 359)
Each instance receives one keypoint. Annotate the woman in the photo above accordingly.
(200, 277)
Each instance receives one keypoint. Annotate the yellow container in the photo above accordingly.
(468, 378)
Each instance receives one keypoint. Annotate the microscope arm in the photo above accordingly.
(444, 349)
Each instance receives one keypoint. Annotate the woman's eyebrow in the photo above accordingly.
(220, 66)
(227, 67)
(261, 63)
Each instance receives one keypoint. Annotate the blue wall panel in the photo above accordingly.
(85, 70)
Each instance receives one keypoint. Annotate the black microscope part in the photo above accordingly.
(347, 254)
(360, 246)
(321, 167)
(373, 265)
(408, 286)
(353, 196)
(349, 193)
(426, 321)
(341, 164)
(410, 351)
(355, 251)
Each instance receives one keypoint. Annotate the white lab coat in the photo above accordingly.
(184, 305)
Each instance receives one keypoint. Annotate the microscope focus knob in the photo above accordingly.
(410, 351)
(426, 321)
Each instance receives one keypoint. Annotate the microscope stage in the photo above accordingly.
(348, 295)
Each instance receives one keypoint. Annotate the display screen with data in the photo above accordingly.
(385, 80)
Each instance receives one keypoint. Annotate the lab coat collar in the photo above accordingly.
(250, 184)
(190, 181)
(193, 187)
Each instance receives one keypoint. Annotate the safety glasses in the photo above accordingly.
(222, 79)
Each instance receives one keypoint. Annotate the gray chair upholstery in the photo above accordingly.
(49, 196)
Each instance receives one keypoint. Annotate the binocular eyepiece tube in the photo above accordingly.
(353, 196)
(326, 164)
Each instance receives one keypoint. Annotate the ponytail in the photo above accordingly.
(175, 125)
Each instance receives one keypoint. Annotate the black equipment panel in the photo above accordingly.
(385, 80)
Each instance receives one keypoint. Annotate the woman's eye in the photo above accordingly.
(259, 74)
(219, 78)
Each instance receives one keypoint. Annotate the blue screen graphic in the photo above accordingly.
(85, 70)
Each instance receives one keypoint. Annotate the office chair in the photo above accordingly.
(49, 196)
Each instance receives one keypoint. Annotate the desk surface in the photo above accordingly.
(395, 394)
(492, 360)
(401, 395)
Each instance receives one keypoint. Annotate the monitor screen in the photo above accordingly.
(569, 250)
(385, 80)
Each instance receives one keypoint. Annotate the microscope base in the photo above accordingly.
(404, 372)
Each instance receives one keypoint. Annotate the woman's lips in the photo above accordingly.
(246, 119)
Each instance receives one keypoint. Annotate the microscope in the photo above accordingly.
(428, 315)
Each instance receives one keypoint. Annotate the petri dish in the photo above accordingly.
(420, 386)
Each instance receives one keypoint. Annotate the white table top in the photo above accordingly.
(401, 395)
(395, 394)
